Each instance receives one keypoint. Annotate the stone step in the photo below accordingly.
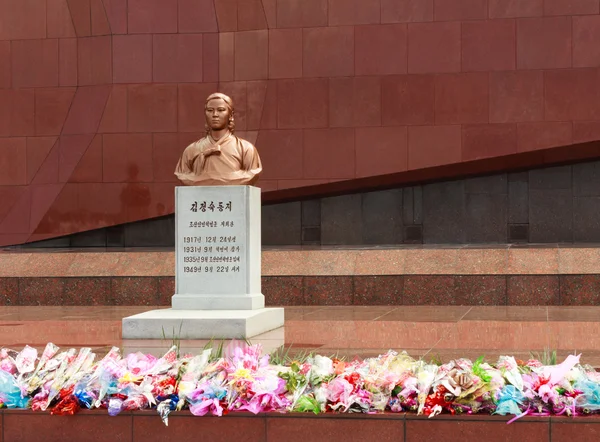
(498, 275)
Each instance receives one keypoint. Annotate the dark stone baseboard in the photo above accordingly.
(319, 290)
(546, 205)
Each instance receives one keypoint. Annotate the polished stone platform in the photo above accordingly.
(443, 332)
(432, 333)
(378, 275)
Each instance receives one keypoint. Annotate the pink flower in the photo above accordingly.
(8, 366)
(25, 360)
(206, 406)
(547, 393)
(263, 403)
(253, 406)
(339, 390)
(139, 363)
(534, 363)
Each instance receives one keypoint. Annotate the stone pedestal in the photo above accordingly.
(218, 270)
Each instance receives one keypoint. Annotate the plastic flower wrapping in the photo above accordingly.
(242, 378)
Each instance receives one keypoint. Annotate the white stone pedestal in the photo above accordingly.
(218, 270)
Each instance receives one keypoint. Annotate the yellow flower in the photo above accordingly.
(128, 377)
(242, 373)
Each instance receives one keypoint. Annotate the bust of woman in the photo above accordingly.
(220, 158)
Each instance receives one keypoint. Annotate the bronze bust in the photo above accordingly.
(220, 158)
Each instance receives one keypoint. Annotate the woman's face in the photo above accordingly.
(217, 114)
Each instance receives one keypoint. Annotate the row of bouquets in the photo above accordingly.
(242, 378)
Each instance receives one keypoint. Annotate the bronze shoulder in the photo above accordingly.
(196, 144)
(245, 143)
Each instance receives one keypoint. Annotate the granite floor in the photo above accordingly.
(431, 332)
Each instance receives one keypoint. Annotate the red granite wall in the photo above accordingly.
(99, 97)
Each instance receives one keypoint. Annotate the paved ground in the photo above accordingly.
(431, 332)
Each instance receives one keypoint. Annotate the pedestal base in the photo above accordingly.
(217, 302)
(201, 324)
